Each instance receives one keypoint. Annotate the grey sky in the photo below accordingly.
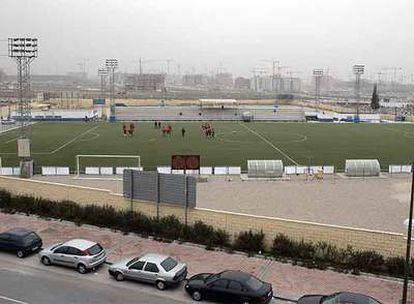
(201, 34)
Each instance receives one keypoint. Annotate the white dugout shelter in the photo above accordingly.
(264, 168)
(362, 167)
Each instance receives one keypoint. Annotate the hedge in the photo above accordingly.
(313, 255)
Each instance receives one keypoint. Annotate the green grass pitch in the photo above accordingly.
(235, 143)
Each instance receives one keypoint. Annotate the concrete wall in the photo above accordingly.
(386, 243)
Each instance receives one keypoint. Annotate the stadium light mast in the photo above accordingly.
(103, 73)
(24, 50)
(358, 70)
(317, 75)
(111, 66)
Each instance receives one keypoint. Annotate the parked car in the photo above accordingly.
(81, 254)
(20, 241)
(158, 269)
(338, 298)
(229, 287)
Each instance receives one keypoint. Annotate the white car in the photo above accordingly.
(81, 254)
(154, 268)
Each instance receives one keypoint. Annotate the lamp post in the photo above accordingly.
(408, 251)
(317, 74)
(111, 65)
(24, 50)
(358, 70)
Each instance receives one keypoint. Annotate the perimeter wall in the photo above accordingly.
(386, 243)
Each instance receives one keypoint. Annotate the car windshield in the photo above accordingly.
(30, 238)
(168, 264)
(212, 277)
(95, 249)
(335, 299)
(254, 283)
(132, 261)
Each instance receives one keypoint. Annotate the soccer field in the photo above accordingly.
(234, 144)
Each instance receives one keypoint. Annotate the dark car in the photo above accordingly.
(20, 241)
(230, 287)
(338, 298)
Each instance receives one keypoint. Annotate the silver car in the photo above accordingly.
(158, 269)
(80, 254)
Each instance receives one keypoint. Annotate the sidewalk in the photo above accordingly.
(287, 280)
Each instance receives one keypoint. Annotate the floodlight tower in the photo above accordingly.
(111, 65)
(24, 51)
(103, 73)
(358, 70)
(317, 75)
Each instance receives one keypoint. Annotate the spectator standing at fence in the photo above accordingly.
(182, 132)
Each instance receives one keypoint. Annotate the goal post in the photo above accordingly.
(108, 160)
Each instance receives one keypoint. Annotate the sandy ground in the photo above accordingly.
(372, 203)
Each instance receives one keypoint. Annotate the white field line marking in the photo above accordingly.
(12, 300)
(58, 148)
(270, 143)
(69, 142)
(2, 132)
(13, 139)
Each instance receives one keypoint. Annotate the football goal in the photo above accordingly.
(99, 166)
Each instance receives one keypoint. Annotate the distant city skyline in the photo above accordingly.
(204, 36)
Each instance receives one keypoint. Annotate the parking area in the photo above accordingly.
(287, 280)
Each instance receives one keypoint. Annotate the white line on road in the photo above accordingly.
(12, 300)
(269, 143)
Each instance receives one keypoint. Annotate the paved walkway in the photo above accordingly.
(288, 280)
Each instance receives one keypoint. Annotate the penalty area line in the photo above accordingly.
(269, 143)
(69, 142)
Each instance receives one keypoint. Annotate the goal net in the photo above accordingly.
(105, 166)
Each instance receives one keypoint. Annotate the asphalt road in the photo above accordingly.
(27, 281)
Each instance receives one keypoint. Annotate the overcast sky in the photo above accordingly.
(202, 34)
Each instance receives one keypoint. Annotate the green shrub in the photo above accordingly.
(251, 242)
(320, 255)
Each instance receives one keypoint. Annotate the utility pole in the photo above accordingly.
(408, 251)
(103, 73)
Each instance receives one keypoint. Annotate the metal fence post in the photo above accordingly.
(186, 199)
(157, 193)
(131, 192)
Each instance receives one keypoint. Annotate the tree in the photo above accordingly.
(375, 105)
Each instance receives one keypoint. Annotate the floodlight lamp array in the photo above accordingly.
(23, 47)
(358, 69)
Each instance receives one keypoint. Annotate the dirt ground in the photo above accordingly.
(372, 203)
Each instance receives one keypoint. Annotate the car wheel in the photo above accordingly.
(82, 269)
(119, 276)
(196, 296)
(20, 254)
(46, 261)
(160, 285)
